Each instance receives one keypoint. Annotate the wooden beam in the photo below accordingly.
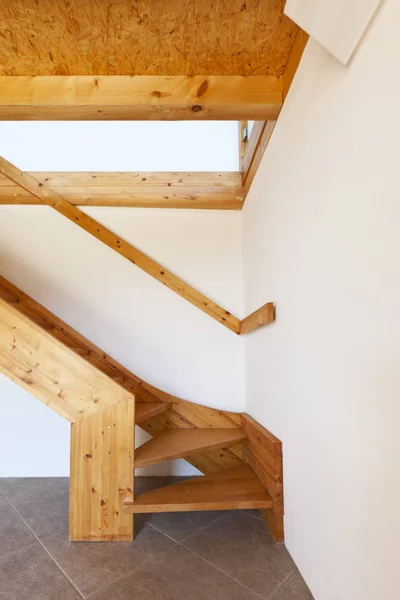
(135, 256)
(219, 190)
(243, 140)
(262, 142)
(101, 477)
(251, 147)
(259, 318)
(118, 97)
(53, 373)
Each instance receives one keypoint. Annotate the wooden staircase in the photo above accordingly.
(241, 461)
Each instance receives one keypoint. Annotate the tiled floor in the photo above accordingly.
(185, 556)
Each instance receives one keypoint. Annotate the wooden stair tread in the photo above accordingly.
(147, 410)
(179, 443)
(231, 489)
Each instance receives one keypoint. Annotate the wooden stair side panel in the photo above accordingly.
(237, 488)
(179, 443)
(50, 371)
(102, 450)
(263, 452)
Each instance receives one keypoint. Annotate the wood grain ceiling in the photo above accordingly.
(144, 37)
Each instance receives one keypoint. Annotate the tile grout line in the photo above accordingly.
(217, 568)
(186, 538)
(128, 574)
(45, 549)
(281, 584)
(223, 572)
(124, 576)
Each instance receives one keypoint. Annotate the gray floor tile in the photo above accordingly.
(13, 533)
(31, 575)
(240, 546)
(91, 566)
(18, 489)
(294, 588)
(180, 526)
(177, 575)
(45, 516)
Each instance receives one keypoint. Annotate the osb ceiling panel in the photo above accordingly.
(153, 37)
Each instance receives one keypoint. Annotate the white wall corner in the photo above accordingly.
(338, 26)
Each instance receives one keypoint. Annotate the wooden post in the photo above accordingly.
(102, 449)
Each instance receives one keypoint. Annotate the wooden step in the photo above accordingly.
(231, 489)
(179, 443)
(146, 410)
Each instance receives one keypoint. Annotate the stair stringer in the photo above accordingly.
(183, 413)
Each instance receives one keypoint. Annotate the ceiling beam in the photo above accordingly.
(214, 190)
(146, 97)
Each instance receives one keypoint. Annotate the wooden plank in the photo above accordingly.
(219, 190)
(198, 97)
(146, 410)
(231, 489)
(251, 146)
(179, 443)
(263, 141)
(259, 318)
(50, 371)
(138, 38)
(135, 256)
(263, 452)
(243, 140)
(101, 478)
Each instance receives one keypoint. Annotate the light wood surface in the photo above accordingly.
(179, 443)
(243, 131)
(263, 452)
(101, 478)
(232, 489)
(259, 318)
(135, 256)
(251, 147)
(51, 37)
(52, 372)
(183, 414)
(262, 142)
(220, 191)
(198, 97)
(146, 410)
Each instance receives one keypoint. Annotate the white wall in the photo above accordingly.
(322, 239)
(148, 328)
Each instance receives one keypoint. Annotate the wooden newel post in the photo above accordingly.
(102, 475)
